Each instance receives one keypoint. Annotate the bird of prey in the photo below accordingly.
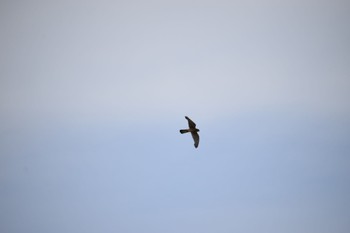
(193, 130)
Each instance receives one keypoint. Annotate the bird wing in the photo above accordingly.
(195, 137)
(191, 124)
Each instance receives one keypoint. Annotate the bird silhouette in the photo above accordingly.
(193, 130)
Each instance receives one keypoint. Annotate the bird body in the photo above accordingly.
(193, 130)
(188, 130)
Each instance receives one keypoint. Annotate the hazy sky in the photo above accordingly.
(93, 93)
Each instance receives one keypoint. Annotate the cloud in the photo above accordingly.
(164, 61)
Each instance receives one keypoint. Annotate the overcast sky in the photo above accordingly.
(93, 93)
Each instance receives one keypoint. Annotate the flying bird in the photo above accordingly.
(193, 130)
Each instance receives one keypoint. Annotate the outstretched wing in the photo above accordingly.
(191, 124)
(195, 137)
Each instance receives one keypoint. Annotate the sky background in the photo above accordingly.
(93, 93)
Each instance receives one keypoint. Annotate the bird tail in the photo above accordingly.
(184, 131)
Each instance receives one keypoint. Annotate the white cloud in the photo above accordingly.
(163, 61)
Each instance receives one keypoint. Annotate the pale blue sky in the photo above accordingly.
(93, 93)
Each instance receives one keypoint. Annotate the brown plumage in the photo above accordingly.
(193, 130)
